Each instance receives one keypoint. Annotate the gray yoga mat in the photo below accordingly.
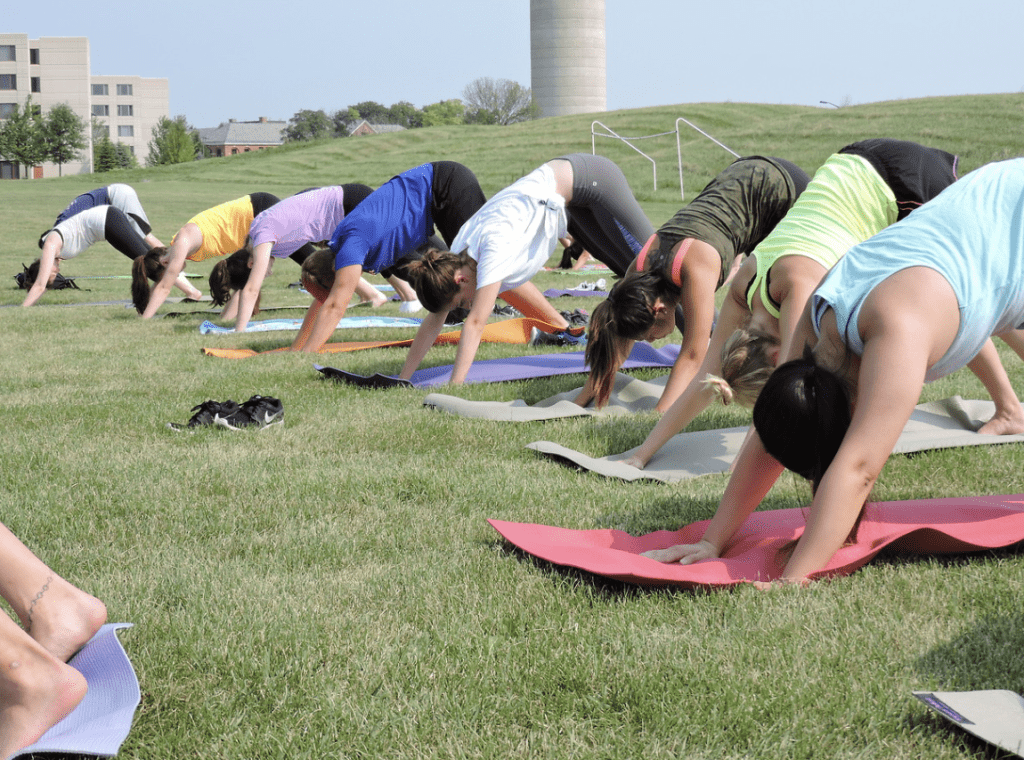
(949, 423)
(629, 396)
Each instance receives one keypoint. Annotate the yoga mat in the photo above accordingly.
(346, 323)
(629, 396)
(100, 723)
(924, 526)
(994, 716)
(555, 293)
(507, 331)
(949, 423)
(504, 370)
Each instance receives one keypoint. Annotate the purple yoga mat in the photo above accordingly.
(541, 365)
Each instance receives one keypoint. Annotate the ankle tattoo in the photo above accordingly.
(35, 601)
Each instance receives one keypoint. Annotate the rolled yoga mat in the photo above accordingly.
(949, 423)
(924, 526)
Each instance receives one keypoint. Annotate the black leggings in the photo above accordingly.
(120, 233)
(456, 197)
(603, 214)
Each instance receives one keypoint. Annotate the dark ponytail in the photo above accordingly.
(802, 415)
(145, 268)
(230, 274)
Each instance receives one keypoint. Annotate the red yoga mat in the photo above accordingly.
(924, 526)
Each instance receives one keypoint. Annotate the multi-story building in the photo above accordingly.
(54, 70)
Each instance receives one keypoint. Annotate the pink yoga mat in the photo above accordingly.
(924, 526)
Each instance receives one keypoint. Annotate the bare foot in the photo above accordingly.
(1010, 423)
(36, 692)
(65, 618)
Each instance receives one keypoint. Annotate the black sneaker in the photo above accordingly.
(205, 414)
(576, 317)
(259, 412)
(562, 338)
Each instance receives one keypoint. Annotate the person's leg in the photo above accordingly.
(369, 295)
(61, 617)
(37, 690)
(530, 302)
(121, 234)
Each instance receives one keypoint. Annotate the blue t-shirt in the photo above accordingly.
(393, 220)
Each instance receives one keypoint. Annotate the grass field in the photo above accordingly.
(331, 588)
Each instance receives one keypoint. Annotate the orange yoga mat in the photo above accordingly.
(507, 331)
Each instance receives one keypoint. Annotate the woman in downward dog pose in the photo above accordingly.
(857, 192)
(510, 239)
(37, 687)
(673, 280)
(286, 229)
(217, 231)
(390, 224)
(912, 304)
(111, 213)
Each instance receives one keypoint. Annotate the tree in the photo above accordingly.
(22, 140)
(405, 114)
(444, 113)
(174, 142)
(308, 125)
(104, 156)
(373, 112)
(498, 101)
(124, 157)
(64, 134)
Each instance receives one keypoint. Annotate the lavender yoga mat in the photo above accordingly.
(525, 367)
(346, 323)
(923, 526)
(100, 723)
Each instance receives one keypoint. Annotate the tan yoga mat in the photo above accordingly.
(507, 331)
(949, 423)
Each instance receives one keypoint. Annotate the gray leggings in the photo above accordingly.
(603, 214)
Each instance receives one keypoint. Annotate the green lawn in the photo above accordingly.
(332, 589)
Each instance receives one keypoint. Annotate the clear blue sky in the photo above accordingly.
(257, 58)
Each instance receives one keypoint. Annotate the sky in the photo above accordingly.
(258, 58)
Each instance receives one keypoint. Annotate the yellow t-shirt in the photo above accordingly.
(224, 228)
(844, 204)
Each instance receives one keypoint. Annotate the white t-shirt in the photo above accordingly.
(82, 230)
(512, 235)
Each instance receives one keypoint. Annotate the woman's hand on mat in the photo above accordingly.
(636, 461)
(780, 582)
(684, 554)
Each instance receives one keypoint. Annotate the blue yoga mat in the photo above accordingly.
(517, 368)
(100, 723)
(556, 293)
(346, 323)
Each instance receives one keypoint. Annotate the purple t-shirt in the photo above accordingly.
(309, 217)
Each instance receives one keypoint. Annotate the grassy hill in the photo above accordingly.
(332, 589)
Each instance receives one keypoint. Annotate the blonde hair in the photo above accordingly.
(746, 366)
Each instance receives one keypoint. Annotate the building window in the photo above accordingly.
(124, 89)
(7, 53)
(33, 56)
(7, 110)
(124, 111)
(37, 84)
(8, 81)
(127, 131)
(9, 170)
(100, 89)
(101, 110)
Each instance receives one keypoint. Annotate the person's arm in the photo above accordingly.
(188, 240)
(333, 309)
(426, 336)
(251, 291)
(230, 310)
(1009, 417)
(701, 269)
(472, 330)
(52, 247)
(696, 397)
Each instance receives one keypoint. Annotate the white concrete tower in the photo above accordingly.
(567, 56)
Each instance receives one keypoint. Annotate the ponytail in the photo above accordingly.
(746, 366)
(433, 277)
(230, 274)
(145, 268)
(602, 354)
